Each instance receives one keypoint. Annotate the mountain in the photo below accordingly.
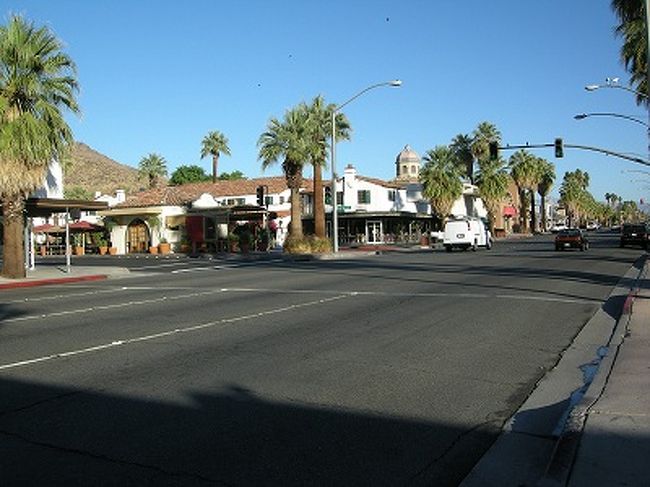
(91, 171)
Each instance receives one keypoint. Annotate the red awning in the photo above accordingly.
(46, 227)
(509, 211)
(83, 225)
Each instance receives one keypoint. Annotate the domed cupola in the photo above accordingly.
(407, 164)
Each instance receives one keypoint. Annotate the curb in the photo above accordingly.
(560, 466)
(47, 282)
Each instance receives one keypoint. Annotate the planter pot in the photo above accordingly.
(103, 250)
(43, 250)
(153, 250)
(164, 248)
(112, 250)
(185, 248)
(78, 250)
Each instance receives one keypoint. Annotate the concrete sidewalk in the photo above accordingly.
(596, 434)
(614, 445)
(44, 275)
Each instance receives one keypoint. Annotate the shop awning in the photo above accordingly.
(509, 211)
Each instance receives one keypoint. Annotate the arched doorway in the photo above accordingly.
(137, 237)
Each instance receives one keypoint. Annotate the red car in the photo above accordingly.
(572, 238)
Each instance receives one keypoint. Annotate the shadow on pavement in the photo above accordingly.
(59, 436)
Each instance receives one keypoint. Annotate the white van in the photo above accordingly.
(465, 233)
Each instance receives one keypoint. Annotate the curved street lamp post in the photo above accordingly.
(582, 116)
(613, 83)
(337, 108)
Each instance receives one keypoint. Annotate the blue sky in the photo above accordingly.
(157, 76)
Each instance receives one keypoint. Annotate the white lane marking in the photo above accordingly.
(113, 306)
(175, 331)
(158, 299)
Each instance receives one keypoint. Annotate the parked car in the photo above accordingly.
(466, 233)
(593, 226)
(635, 234)
(558, 226)
(571, 238)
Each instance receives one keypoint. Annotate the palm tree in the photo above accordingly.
(546, 180)
(320, 120)
(440, 179)
(574, 194)
(525, 171)
(152, 167)
(484, 133)
(37, 84)
(461, 148)
(289, 141)
(214, 144)
(492, 181)
(632, 28)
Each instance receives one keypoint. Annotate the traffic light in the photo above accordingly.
(494, 150)
(260, 196)
(328, 195)
(559, 148)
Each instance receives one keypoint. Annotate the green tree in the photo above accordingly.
(288, 141)
(492, 177)
(492, 181)
(484, 133)
(632, 29)
(77, 193)
(574, 194)
(188, 174)
(152, 167)
(231, 176)
(319, 115)
(525, 171)
(461, 148)
(440, 177)
(37, 85)
(214, 144)
(544, 186)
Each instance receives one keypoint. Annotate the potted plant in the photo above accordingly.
(100, 242)
(164, 246)
(77, 243)
(245, 240)
(233, 240)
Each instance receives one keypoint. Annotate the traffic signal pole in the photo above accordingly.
(607, 152)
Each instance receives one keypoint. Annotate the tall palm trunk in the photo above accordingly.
(215, 162)
(533, 216)
(13, 257)
(319, 204)
(543, 210)
(295, 227)
(523, 210)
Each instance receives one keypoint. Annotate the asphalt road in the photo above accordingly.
(395, 369)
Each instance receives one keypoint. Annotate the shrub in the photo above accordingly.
(307, 245)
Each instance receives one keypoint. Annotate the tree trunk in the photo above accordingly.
(533, 218)
(295, 228)
(215, 161)
(319, 204)
(543, 209)
(523, 211)
(13, 256)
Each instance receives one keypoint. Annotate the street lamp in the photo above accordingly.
(582, 116)
(613, 83)
(337, 108)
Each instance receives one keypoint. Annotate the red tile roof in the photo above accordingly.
(186, 193)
